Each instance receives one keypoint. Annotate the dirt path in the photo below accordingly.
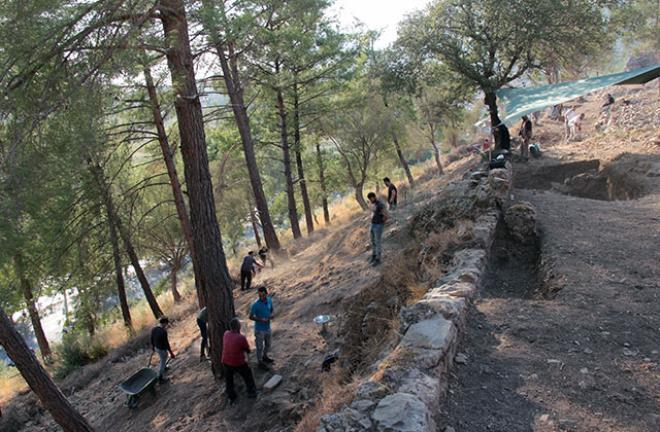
(582, 352)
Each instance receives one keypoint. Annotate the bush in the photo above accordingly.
(97, 350)
(76, 351)
(71, 355)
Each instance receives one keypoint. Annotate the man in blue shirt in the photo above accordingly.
(261, 313)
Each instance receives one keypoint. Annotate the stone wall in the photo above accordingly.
(405, 392)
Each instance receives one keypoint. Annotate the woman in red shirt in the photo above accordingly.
(234, 348)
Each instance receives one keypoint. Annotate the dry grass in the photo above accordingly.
(114, 334)
(11, 384)
(336, 393)
(435, 250)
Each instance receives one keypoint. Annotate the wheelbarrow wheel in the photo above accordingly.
(132, 402)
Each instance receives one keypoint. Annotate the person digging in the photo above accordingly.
(261, 313)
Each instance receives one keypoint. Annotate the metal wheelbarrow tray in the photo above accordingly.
(140, 382)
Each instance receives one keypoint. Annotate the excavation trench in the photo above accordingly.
(514, 269)
(586, 179)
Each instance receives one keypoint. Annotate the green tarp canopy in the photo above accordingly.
(518, 102)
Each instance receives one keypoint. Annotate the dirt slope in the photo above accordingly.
(325, 274)
(578, 351)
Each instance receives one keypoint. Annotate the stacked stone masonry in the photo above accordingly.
(404, 394)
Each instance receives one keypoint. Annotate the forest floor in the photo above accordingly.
(325, 273)
(566, 334)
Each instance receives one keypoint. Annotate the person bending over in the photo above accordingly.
(247, 269)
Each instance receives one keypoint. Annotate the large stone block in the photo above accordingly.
(484, 229)
(457, 289)
(469, 258)
(402, 412)
(433, 334)
(435, 304)
(424, 386)
(461, 274)
(347, 420)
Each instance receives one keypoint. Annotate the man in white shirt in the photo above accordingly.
(572, 124)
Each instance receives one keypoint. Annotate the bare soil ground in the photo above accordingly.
(566, 334)
(327, 273)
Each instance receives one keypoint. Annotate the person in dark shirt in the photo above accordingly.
(247, 270)
(234, 348)
(202, 323)
(263, 254)
(504, 136)
(609, 100)
(392, 193)
(377, 224)
(161, 345)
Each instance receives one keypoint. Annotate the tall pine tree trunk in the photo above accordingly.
(297, 145)
(402, 159)
(207, 240)
(119, 275)
(99, 177)
(324, 191)
(179, 202)
(28, 296)
(232, 79)
(37, 378)
(286, 160)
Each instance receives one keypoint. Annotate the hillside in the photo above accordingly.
(562, 337)
(327, 273)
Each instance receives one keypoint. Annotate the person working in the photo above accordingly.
(261, 313)
(234, 348)
(377, 224)
(161, 345)
(526, 134)
(392, 193)
(202, 323)
(247, 269)
(503, 136)
(572, 124)
(263, 254)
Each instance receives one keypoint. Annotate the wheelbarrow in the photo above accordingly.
(140, 382)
